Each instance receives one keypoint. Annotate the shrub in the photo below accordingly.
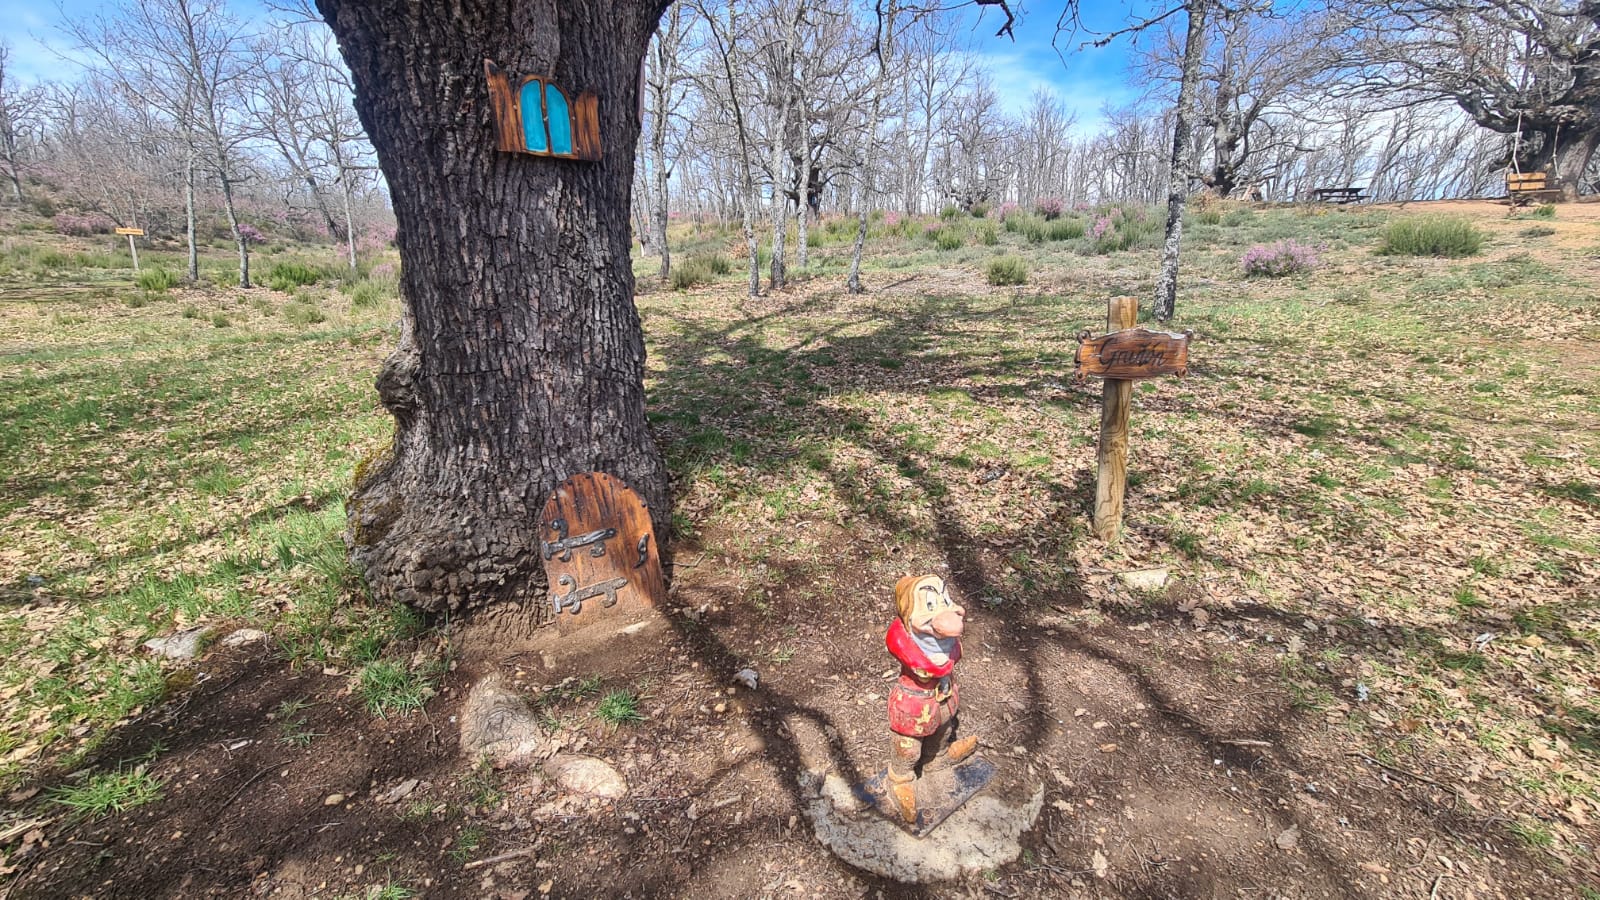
(1279, 258)
(156, 280)
(286, 276)
(1544, 211)
(979, 210)
(251, 234)
(1049, 207)
(1431, 236)
(301, 312)
(1006, 210)
(946, 238)
(373, 290)
(988, 235)
(1065, 229)
(1004, 270)
(690, 273)
(951, 211)
(219, 320)
(1208, 216)
(717, 263)
(1537, 231)
(82, 224)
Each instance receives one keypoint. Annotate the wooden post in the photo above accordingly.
(131, 232)
(1112, 479)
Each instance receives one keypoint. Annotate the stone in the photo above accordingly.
(748, 677)
(500, 725)
(1145, 580)
(182, 645)
(587, 775)
(244, 636)
(399, 792)
(333, 800)
(1288, 838)
(984, 834)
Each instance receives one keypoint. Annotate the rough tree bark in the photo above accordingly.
(1166, 299)
(521, 359)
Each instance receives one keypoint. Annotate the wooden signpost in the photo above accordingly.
(1122, 356)
(599, 551)
(131, 233)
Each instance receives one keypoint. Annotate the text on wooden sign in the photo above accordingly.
(1132, 353)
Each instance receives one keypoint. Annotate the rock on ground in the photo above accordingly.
(984, 834)
(588, 775)
(499, 724)
(244, 636)
(185, 644)
(1145, 580)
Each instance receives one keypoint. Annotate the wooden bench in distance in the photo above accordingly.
(1340, 195)
(1525, 187)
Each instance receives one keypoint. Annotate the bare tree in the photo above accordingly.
(664, 91)
(18, 109)
(188, 60)
(1182, 161)
(1528, 69)
(302, 101)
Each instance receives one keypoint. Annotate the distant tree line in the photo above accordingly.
(181, 118)
(184, 118)
(769, 112)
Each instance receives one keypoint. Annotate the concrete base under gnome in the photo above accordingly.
(983, 834)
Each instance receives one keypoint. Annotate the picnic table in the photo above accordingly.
(1339, 195)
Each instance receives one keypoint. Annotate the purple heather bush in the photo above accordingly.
(1101, 227)
(1006, 210)
(251, 234)
(83, 224)
(1049, 207)
(1279, 258)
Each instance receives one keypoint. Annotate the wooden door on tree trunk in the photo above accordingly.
(600, 552)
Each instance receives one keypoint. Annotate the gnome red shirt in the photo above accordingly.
(925, 696)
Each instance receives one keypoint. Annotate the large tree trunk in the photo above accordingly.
(1572, 157)
(521, 360)
(1166, 299)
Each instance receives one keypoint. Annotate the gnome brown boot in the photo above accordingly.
(903, 788)
(961, 749)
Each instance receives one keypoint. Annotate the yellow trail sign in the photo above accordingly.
(139, 231)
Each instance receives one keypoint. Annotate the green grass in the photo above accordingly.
(1431, 236)
(619, 708)
(103, 793)
(286, 276)
(156, 280)
(389, 687)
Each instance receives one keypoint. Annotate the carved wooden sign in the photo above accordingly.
(533, 116)
(1133, 353)
(599, 551)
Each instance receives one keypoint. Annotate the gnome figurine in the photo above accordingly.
(926, 638)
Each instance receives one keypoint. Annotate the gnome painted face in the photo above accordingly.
(929, 614)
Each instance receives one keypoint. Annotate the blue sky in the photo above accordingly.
(1086, 80)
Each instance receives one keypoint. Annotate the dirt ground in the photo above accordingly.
(1190, 781)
